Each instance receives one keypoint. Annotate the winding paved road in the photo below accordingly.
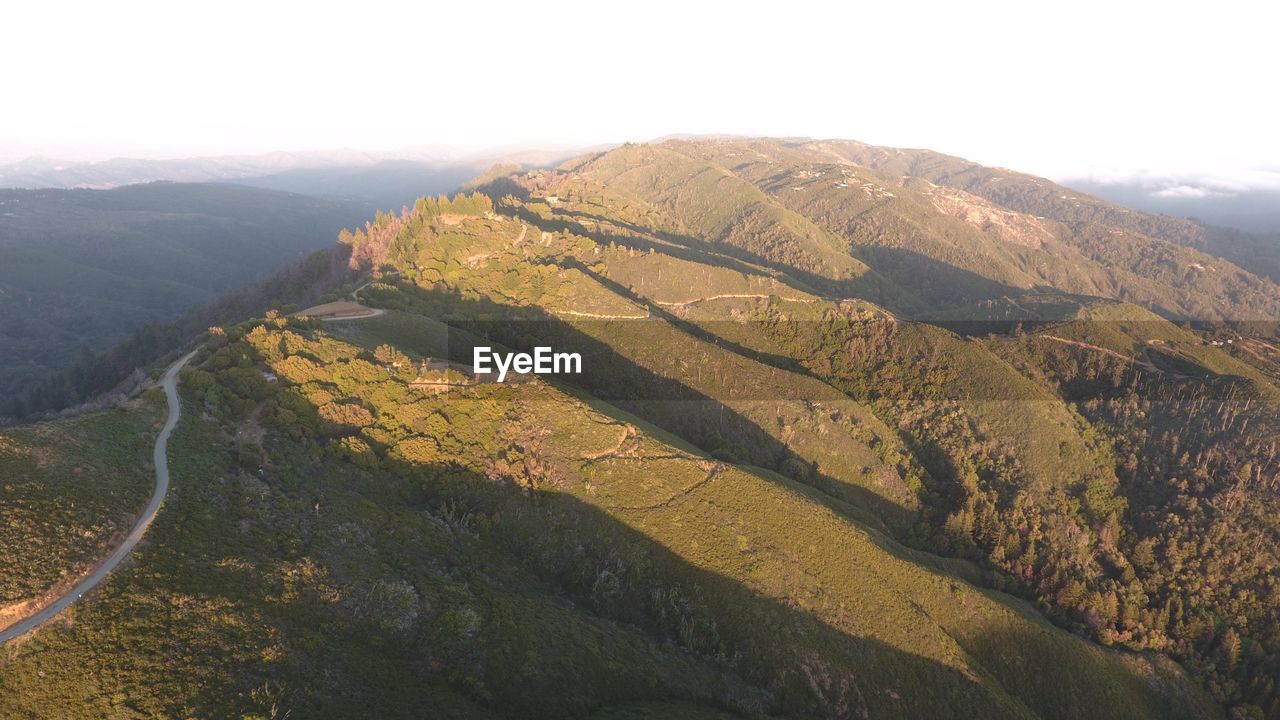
(139, 529)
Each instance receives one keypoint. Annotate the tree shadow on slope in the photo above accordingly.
(938, 285)
(668, 402)
(675, 592)
(912, 285)
(782, 362)
(799, 663)
(682, 247)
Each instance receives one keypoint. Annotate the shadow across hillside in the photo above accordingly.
(869, 286)
(781, 362)
(668, 402)
(936, 284)
(674, 588)
(936, 287)
(682, 247)
(611, 570)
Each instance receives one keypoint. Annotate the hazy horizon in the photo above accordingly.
(1101, 92)
(1168, 185)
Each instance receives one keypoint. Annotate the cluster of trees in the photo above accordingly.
(316, 277)
(1198, 459)
(1179, 556)
(394, 238)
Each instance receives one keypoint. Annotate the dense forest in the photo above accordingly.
(80, 270)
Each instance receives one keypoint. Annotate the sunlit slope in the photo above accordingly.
(800, 598)
(703, 203)
(725, 315)
(1162, 263)
(686, 381)
(69, 490)
(931, 234)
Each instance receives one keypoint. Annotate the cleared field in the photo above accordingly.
(338, 310)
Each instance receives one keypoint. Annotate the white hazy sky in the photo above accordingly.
(1060, 89)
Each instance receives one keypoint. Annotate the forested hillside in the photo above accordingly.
(81, 269)
(351, 544)
(1258, 253)
(858, 433)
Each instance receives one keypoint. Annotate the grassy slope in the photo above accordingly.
(1159, 262)
(69, 489)
(383, 586)
(972, 235)
(352, 593)
(712, 205)
(1046, 436)
(634, 342)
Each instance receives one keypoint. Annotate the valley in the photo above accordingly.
(82, 270)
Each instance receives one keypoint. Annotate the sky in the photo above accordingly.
(1097, 89)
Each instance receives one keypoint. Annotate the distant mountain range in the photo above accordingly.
(388, 180)
(43, 172)
(394, 179)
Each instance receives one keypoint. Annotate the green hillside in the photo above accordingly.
(1172, 265)
(857, 434)
(947, 231)
(562, 555)
(69, 487)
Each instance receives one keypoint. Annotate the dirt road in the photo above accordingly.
(100, 573)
